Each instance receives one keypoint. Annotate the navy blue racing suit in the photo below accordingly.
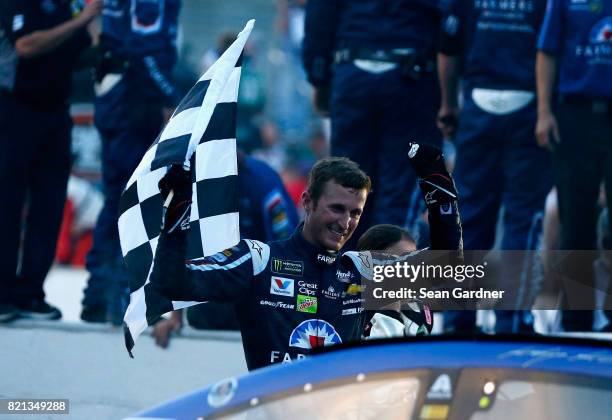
(290, 296)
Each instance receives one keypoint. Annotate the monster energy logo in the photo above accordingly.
(293, 268)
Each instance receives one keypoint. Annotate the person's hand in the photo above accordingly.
(175, 188)
(547, 131)
(435, 182)
(320, 100)
(92, 9)
(447, 121)
(164, 329)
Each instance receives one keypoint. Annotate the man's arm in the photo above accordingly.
(550, 44)
(546, 126)
(440, 196)
(448, 77)
(320, 26)
(223, 277)
(43, 41)
(450, 48)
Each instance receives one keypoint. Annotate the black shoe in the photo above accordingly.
(94, 313)
(8, 312)
(39, 309)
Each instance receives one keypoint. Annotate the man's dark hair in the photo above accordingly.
(340, 169)
(381, 237)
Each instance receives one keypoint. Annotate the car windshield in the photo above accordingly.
(476, 394)
(389, 397)
(521, 399)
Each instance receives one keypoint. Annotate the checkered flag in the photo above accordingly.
(201, 134)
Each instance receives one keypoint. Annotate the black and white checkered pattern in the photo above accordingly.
(201, 134)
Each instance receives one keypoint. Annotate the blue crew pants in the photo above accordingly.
(499, 165)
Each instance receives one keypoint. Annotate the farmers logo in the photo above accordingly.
(281, 286)
(602, 31)
(599, 48)
(314, 333)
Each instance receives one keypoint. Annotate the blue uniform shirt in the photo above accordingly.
(143, 32)
(333, 24)
(497, 40)
(579, 32)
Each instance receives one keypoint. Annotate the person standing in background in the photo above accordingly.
(574, 85)
(40, 41)
(134, 97)
(372, 64)
(492, 45)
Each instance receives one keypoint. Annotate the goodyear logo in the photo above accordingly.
(292, 268)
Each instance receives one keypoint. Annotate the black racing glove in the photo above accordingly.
(176, 212)
(436, 183)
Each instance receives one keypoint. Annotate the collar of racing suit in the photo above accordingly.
(312, 252)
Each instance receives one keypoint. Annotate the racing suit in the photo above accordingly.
(290, 296)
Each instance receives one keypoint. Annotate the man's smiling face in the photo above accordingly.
(332, 219)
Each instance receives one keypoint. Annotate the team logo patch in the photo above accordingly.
(281, 286)
(306, 304)
(602, 31)
(314, 333)
(292, 268)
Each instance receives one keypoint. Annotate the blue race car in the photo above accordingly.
(431, 378)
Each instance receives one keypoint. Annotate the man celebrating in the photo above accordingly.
(295, 295)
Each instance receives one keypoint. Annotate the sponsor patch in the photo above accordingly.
(277, 304)
(281, 286)
(17, 22)
(219, 257)
(446, 208)
(327, 259)
(308, 289)
(344, 276)
(349, 311)
(292, 268)
(351, 301)
(306, 304)
(354, 289)
(331, 293)
(314, 333)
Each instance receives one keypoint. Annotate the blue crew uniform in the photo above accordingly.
(377, 60)
(134, 85)
(579, 34)
(35, 128)
(498, 162)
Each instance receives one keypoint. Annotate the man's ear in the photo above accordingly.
(306, 202)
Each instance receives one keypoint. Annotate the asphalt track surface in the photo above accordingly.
(88, 364)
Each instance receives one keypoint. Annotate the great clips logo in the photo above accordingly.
(281, 286)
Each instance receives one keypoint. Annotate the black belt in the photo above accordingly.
(407, 58)
(597, 106)
(109, 63)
